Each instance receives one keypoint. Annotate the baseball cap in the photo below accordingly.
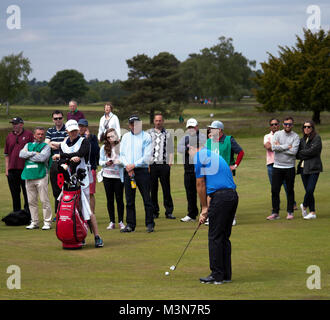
(133, 118)
(16, 120)
(191, 123)
(71, 125)
(83, 122)
(216, 125)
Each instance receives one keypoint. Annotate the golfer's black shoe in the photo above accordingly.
(150, 228)
(156, 215)
(170, 216)
(210, 279)
(127, 229)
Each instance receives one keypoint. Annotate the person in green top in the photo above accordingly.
(224, 145)
(35, 174)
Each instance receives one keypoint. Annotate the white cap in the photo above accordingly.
(71, 125)
(192, 123)
(216, 125)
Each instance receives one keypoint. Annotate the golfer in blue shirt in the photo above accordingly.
(219, 200)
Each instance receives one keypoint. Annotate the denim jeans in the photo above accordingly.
(309, 182)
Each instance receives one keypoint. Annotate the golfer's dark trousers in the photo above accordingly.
(278, 178)
(114, 188)
(15, 185)
(53, 172)
(161, 172)
(221, 214)
(142, 178)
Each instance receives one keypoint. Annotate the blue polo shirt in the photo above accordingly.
(215, 170)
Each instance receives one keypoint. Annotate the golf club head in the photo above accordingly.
(172, 268)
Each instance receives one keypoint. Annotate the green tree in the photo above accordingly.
(68, 84)
(107, 90)
(218, 72)
(299, 79)
(14, 71)
(155, 85)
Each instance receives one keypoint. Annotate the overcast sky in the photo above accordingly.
(96, 37)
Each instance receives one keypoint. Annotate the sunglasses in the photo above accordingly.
(273, 124)
(111, 137)
(59, 118)
(308, 127)
(287, 124)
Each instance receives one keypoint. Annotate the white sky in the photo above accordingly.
(96, 37)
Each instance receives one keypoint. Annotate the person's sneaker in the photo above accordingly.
(273, 216)
(207, 222)
(150, 228)
(46, 227)
(303, 211)
(227, 281)
(289, 216)
(234, 222)
(210, 279)
(187, 219)
(170, 216)
(156, 215)
(98, 242)
(32, 226)
(127, 229)
(121, 225)
(310, 216)
(111, 226)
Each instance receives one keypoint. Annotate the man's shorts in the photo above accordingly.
(92, 186)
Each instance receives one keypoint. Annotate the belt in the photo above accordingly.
(222, 191)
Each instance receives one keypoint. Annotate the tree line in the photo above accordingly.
(296, 80)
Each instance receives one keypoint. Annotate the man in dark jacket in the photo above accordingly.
(195, 137)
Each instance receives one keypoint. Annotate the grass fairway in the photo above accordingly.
(270, 258)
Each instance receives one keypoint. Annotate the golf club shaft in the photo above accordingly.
(187, 245)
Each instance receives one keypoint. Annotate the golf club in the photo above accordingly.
(176, 265)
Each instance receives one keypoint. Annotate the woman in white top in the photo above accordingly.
(113, 177)
(107, 121)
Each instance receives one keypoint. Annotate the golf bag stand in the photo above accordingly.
(71, 228)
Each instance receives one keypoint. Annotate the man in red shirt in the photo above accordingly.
(15, 142)
(74, 113)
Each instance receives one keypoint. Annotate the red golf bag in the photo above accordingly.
(71, 228)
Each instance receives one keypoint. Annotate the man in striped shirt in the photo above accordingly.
(160, 166)
(54, 136)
